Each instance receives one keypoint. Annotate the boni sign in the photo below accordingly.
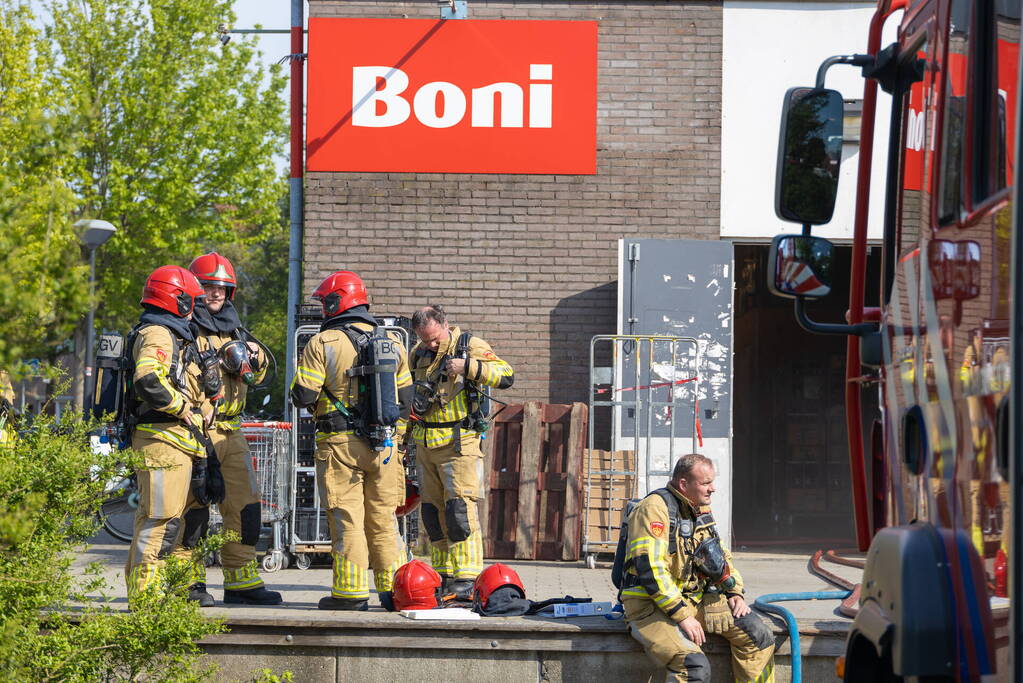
(455, 96)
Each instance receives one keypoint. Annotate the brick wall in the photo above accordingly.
(530, 262)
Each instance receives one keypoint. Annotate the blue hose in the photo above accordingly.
(763, 603)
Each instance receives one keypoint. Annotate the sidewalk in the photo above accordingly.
(779, 571)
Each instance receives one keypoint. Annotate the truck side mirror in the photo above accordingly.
(809, 155)
(800, 266)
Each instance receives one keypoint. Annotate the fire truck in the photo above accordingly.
(937, 477)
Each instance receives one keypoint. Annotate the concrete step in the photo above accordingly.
(378, 646)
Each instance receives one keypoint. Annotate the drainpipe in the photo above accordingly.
(295, 198)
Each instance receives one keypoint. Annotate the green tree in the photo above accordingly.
(42, 263)
(178, 134)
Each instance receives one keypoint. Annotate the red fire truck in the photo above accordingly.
(935, 486)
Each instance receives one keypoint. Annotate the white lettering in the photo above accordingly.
(377, 100)
(366, 95)
(452, 101)
(541, 96)
(483, 105)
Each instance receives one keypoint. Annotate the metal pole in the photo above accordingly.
(295, 199)
(88, 390)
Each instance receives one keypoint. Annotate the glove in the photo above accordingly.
(216, 490)
(717, 614)
(200, 481)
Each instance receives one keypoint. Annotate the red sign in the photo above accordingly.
(452, 96)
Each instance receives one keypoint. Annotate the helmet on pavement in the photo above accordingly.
(411, 500)
(339, 292)
(416, 586)
(214, 269)
(492, 578)
(173, 289)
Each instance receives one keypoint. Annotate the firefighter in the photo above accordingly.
(680, 584)
(169, 413)
(216, 324)
(7, 433)
(451, 370)
(361, 479)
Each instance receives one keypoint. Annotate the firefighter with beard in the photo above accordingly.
(361, 478)
(451, 370)
(680, 584)
(216, 325)
(169, 412)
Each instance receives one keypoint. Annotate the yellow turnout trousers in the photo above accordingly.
(451, 483)
(164, 496)
(361, 492)
(752, 644)
(241, 509)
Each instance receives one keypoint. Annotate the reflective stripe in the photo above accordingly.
(384, 580)
(440, 560)
(310, 374)
(187, 444)
(467, 557)
(350, 580)
(244, 578)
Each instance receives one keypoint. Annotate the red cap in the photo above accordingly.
(173, 289)
(339, 292)
(214, 269)
(493, 577)
(416, 586)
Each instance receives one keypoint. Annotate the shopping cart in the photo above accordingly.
(269, 447)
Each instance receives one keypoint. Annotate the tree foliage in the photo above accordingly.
(42, 263)
(179, 133)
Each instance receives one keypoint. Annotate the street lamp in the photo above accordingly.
(94, 234)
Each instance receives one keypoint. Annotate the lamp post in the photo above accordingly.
(94, 234)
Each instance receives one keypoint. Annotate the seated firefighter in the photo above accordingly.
(679, 583)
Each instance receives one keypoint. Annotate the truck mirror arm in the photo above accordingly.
(857, 329)
(855, 60)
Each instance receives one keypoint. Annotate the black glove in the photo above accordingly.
(211, 382)
(216, 490)
(200, 481)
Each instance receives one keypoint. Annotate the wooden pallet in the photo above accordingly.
(534, 464)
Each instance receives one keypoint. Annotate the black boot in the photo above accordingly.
(387, 601)
(197, 593)
(252, 596)
(461, 589)
(352, 604)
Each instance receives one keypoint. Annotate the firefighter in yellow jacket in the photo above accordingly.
(170, 411)
(451, 371)
(680, 583)
(358, 386)
(225, 345)
(7, 433)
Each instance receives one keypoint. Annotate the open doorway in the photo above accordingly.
(791, 476)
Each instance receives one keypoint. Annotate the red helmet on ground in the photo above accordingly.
(416, 586)
(339, 292)
(493, 577)
(214, 269)
(411, 500)
(173, 289)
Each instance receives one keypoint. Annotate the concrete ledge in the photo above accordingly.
(377, 646)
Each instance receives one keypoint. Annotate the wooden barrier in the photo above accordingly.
(534, 456)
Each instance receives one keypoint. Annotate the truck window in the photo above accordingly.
(950, 204)
(996, 77)
(917, 155)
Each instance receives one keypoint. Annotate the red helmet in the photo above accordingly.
(173, 289)
(416, 586)
(493, 577)
(411, 499)
(339, 292)
(214, 269)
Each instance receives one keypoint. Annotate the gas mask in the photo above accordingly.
(236, 359)
(710, 561)
(424, 393)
